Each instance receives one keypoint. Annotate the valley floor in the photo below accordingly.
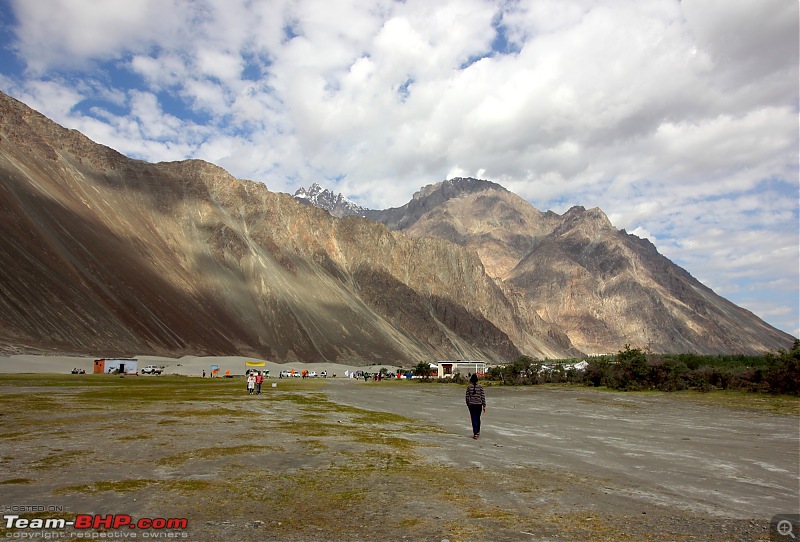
(340, 459)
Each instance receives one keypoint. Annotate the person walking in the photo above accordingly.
(476, 403)
(259, 382)
(251, 383)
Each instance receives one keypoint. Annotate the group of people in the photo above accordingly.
(376, 377)
(475, 396)
(254, 381)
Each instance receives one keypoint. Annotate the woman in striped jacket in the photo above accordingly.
(476, 403)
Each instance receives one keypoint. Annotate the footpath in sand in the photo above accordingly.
(352, 460)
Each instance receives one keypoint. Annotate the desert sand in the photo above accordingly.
(185, 366)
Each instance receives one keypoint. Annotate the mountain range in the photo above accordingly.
(105, 255)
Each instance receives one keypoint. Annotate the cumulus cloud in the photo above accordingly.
(679, 119)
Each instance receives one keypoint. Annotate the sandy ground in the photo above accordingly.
(343, 459)
(656, 449)
(186, 366)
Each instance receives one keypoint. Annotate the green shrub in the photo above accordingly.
(783, 371)
(635, 369)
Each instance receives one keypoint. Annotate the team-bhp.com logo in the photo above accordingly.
(152, 527)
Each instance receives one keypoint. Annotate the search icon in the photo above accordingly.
(784, 528)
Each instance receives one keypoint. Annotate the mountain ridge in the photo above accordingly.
(600, 286)
(105, 255)
(109, 256)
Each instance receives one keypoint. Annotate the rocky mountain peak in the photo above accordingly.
(336, 204)
(431, 197)
(591, 222)
(456, 187)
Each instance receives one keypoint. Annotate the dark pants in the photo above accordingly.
(475, 415)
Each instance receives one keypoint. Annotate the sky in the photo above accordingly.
(679, 119)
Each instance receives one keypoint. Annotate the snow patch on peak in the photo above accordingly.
(335, 204)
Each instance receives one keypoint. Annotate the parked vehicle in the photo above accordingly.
(152, 370)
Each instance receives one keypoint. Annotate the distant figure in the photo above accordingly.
(476, 403)
(251, 383)
(259, 381)
(204, 373)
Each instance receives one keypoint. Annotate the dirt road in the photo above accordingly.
(655, 449)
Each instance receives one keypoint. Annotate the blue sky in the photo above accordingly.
(679, 119)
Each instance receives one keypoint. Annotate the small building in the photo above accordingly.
(124, 366)
(446, 369)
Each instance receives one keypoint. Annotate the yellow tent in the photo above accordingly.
(250, 364)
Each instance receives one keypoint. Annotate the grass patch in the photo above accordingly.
(14, 434)
(311, 428)
(134, 437)
(380, 418)
(396, 443)
(117, 486)
(133, 485)
(212, 453)
(776, 404)
(58, 459)
(18, 481)
(303, 399)
(24, 402)
(209, 412)
(187, 486)
(605, 402)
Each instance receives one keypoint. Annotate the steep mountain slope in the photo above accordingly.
(104, 255)
(601, 287)
(605, 288)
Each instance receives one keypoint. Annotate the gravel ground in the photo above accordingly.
(349, 460)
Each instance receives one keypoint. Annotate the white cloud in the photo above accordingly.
(162, 72)
(679, 119)
(71, 33)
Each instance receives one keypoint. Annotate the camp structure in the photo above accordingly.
(123, 366)
(259, 366)
(446, 369)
